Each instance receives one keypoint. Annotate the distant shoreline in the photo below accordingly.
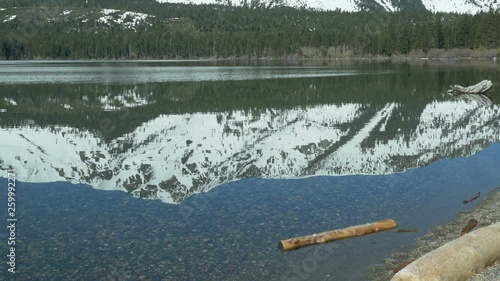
(308, 54)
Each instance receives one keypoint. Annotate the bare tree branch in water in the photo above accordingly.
(473, 93)
(480, 88)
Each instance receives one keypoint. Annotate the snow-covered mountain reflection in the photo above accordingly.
(174, 156)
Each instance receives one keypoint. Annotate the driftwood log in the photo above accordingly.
(407, 230)
(473, 93)
(333, 235)
(473, 198)
(457, 260)
(469, 227)
(480, 88)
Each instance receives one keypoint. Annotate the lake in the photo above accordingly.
(195, 170)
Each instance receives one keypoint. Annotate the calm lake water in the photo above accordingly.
(195, 170)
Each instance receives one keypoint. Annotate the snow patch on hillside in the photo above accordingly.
(449, 6)
(126, 19)
(344, 5)
(387, 4)
(9, 18)
(10, 101)
(461, 6)
(457, 6)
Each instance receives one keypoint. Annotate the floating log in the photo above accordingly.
(339, 234)
(457, 260)
(470, 226)
(473, 198)
(479, 88)
(407, 230)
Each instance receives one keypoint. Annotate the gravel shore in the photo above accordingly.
(486, 213)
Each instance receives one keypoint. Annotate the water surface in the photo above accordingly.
(239, 156)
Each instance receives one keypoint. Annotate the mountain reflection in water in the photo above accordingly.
(171, 140)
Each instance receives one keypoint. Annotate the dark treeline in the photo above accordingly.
(193, 31)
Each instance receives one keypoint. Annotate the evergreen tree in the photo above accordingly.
(191, 31)
(439, 33)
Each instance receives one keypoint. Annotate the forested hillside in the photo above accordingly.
(112, 29)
